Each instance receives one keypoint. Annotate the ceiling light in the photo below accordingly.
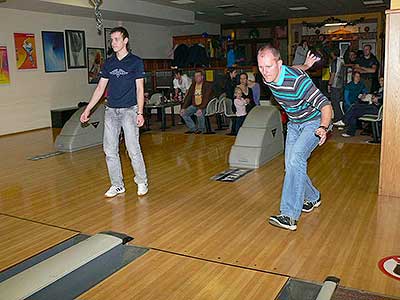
(243, 21)
(259, 15)
(233, 14)
(335, 24)
(182, 1)
(298, 8)
(370, 2)
(225, 6)
(200, 12)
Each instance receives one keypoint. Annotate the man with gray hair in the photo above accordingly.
(310, 115)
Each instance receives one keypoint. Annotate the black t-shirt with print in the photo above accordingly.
(122, 75)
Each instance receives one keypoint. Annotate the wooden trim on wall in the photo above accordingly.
(390, 146)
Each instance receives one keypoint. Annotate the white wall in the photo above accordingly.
(26, 102)
(197, 28)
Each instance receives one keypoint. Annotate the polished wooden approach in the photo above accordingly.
(21, 239)
(158, 275)
(390, 160)
(188, 214)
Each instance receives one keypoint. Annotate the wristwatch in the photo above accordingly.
(329, 128)
(139, 114)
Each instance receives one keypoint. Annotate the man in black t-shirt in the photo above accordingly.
(124, 73)
(367, 65)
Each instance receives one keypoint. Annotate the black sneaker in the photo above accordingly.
(308, 206)
(283, 222)
(189, 132)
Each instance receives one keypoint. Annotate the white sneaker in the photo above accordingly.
(114, 191)
(346, 135)
(339, 123)
(142, 189)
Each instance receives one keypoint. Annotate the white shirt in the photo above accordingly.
(240, 105)
(300, 55)
(183, 84)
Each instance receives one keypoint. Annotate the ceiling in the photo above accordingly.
(262, 10)
(118, 10)
(164, 12)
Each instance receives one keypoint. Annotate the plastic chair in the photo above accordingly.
(211, 110)
(375, 121)
(155, 99)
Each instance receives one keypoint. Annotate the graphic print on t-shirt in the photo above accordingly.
(118, 72)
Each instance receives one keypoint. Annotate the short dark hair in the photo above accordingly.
(336, 52)
(178, 71)
(245, 74)
(124, 32)
(368, 45)
(231, 69)
(356, 72)
(199, 71)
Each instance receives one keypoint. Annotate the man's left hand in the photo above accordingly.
(311, 59)
(140, 120)
(322, 135)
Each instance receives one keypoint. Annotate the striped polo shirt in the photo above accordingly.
(298, 95)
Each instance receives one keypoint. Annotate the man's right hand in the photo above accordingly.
(182, 112)
(85, 116)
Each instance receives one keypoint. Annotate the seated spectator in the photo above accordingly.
(301, 53)
(240, 105)
(195, 103)
(353, 90)
(247, 92)
(362, 108)
(181, 82)
(255, 88)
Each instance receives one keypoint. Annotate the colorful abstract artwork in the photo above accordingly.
(4, 70)
(53, 51)
(25, 51)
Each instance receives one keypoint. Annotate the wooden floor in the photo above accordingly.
(159, 275)
(187, 213)
(21, 239)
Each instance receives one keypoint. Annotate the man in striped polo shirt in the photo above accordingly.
(310, 114)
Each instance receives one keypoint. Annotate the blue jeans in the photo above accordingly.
(239, 123)
(357, 110)
(297, 186)
(187, 117)
(114, 120)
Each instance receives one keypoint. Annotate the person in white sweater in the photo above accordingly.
(301, 53)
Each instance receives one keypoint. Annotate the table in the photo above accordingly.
(162, 107)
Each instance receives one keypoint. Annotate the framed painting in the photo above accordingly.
(4, 69)
(107, 42)
(76, 49)
(53, 51)
(95, 59)
(25, 51)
